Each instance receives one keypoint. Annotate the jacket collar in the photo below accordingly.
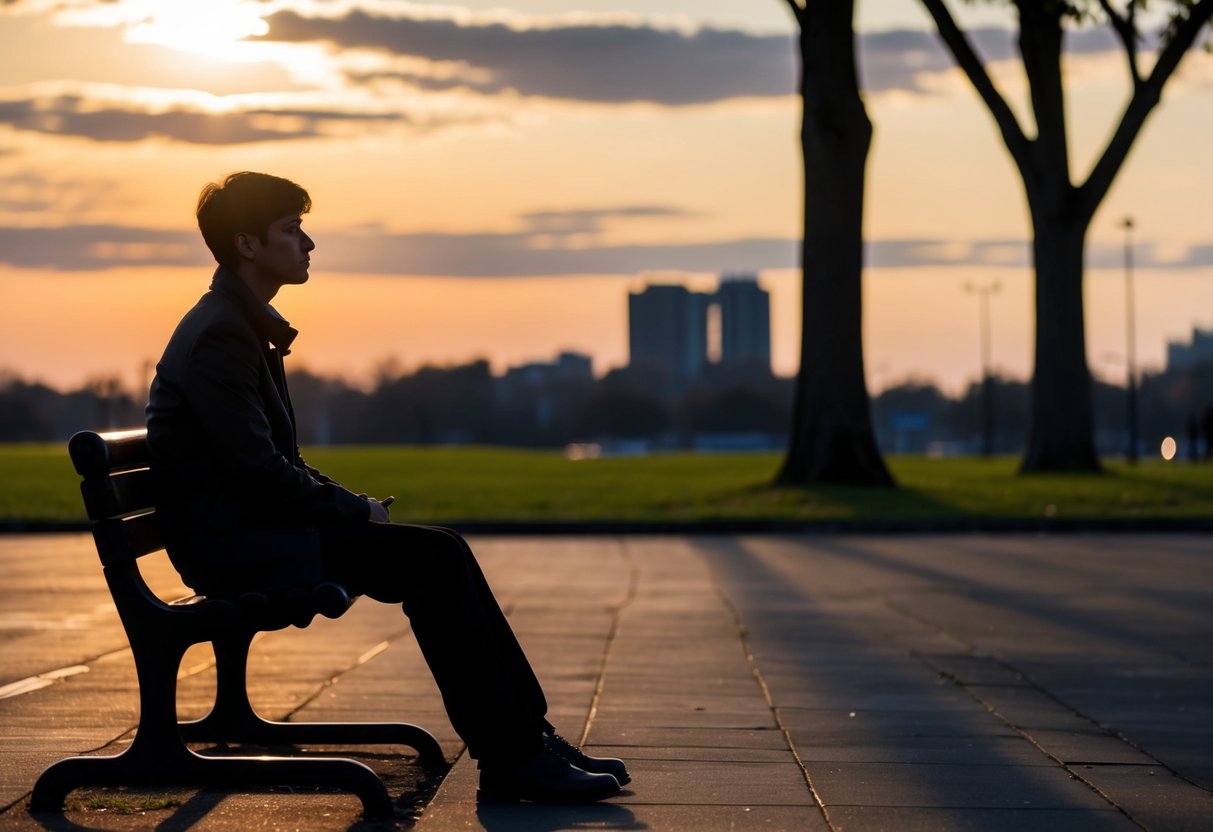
(267, 325)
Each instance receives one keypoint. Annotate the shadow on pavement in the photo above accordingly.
(531, 817)
(877, 727)
(175, 810)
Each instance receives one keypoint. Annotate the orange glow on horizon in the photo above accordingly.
(65, 328)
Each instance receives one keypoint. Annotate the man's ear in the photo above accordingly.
(247, 245)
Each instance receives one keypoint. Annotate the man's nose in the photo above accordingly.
(308, 243)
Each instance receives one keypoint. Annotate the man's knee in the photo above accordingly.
(453, 538)
(450, 550)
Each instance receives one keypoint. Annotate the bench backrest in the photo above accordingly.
(120, 497)
(118, 491)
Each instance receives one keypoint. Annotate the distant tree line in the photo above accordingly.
(467, 404)
(916, 417)
(741, 405)
(35, 412)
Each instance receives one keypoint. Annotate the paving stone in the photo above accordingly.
(1153, 796)
(925, 785)
(626, 735)
(1088, 746)
(1029, 709)
(968, 669)
(960, 819)
(993, 750)
(634, 684)
(715, 783)
(530, 818)
(691, 753)
(642, 718)
(834, 725)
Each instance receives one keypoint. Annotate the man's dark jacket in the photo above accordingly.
(238, 505)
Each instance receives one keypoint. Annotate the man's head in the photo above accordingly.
(246, 203)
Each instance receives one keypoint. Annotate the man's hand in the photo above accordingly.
(379, 509)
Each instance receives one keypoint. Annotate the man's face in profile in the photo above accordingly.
(283, 258)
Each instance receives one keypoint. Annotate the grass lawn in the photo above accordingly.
(37, 483)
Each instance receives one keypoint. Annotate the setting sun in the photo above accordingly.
(214, 28)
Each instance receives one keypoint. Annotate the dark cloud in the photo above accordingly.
(894, 59)
(488, 255)
(601, 63)
(596, 63)
(96, 247)
(592, 221)
(29, 193)
(73, 115)
(904, 253)
(1018, 254)
(428, 83)
(621, 63)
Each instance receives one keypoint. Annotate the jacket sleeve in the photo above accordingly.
(222, 384)
(315, 472)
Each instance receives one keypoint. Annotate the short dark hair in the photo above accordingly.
(249, 202)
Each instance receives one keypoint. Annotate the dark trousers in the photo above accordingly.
(492, 697)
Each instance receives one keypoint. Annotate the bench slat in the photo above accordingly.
(118, 495)
(121, 541)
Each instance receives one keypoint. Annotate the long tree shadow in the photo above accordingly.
(873, 506)
(915, 741)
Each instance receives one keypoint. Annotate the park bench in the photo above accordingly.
(120, 498)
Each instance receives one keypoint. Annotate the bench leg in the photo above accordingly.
(233, 719)
(158, 757)
(195, 771)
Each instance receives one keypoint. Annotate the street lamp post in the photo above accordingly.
(1130, 346)
(983, 292)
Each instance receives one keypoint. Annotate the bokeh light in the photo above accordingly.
(1168, 448)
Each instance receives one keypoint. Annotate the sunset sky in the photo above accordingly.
(491, 177)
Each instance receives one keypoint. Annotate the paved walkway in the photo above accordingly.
(774, 682)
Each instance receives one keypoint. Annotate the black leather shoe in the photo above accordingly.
(543, 777)
(573, 755)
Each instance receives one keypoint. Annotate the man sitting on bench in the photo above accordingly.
(241, 510)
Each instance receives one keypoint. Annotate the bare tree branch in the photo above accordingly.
(1041, 41)
(1146, 96)
(1126, 29)
(798, 10)
(968, 60)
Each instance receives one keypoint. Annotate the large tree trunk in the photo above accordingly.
(1061, 422)
(831, 437)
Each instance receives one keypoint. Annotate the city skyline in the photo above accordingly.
(1178, 353)
(479, 195)
(681, 333)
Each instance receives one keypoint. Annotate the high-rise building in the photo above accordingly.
(745, 319)
(1181, 355)
(667, 328)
